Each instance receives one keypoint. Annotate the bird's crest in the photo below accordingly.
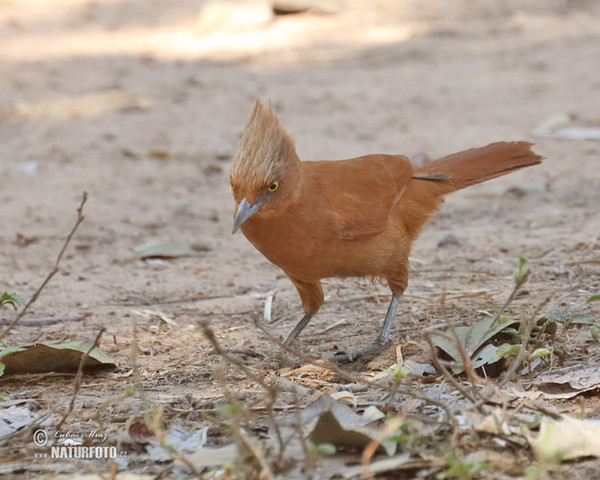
(263, 154)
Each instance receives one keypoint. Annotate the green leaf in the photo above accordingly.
(11, 299)
(594, 298)
(540, 352)
(521, 273)
(594, 333)
(463, 469)
(566, 317)
(562, 316)
(474, 340)
(321, 449)
(511, 331)
(400, 438)
(397, 372)
(507, 350)
(583, 320)
(129, 390)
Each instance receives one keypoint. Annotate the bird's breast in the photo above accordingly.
(289, 246)
(310, 252)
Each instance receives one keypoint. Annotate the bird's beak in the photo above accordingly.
(244, 211)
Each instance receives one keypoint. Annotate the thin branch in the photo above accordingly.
(525, 337)
(78, 378)
(440, 365)
(373, 445)
(210, 336)
(266, 471)
(54, 271)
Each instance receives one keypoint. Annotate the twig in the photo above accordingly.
(210, 336)
(519, 282)
(271, 390)
(78, 378)
(370, 449)
(266, 471)
(37, 322)
(54, 271)
(442, 367)
(525, 337)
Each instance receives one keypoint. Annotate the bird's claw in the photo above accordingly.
(279, 358)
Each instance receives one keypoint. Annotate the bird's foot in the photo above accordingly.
(279, 358)
(365, 354)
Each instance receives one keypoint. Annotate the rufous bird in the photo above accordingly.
(346, 218)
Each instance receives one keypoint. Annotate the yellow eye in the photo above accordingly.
(273, 187)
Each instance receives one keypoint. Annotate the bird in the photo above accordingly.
(346, 218)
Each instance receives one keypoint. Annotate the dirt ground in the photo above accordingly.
(141, 105)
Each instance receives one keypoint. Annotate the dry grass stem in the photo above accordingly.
(78, 377)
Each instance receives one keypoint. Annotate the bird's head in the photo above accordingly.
(265, 167)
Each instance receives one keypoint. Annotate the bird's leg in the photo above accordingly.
(378, 345)
(297, 329)
(311, 294)
(384, 334)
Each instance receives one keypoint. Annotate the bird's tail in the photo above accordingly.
(432, 181)
(477, 165)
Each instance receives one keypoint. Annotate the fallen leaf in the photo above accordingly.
(340, 425)
(372, 413)
(561, 126)
(210, 457)
(379, 466)
(154, 249)
(567, 385)
(40, 358)
(420, 369)
(575, 133)
(15, 418)
(474, 340)
(492, 422)
(566, 317)
(566, 439)
(525, 189)
(345, 397)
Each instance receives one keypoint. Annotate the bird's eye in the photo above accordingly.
(273, 187)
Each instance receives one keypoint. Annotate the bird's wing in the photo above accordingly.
(362, 192)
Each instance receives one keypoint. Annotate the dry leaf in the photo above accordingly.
(211, 457)
(345, 397)
(566, 439)
(379, 466)
(40, 358)
(155, 248)
(474, 340)
(567, 385)
(372, 413)
(331, 422)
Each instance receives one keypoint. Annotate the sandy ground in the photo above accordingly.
(141, 104)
